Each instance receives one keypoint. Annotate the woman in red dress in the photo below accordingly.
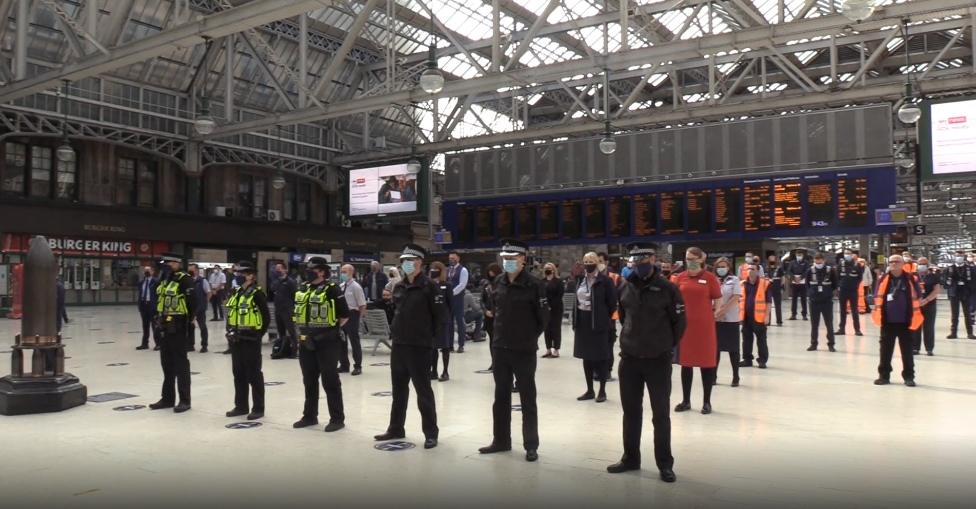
(699, 346)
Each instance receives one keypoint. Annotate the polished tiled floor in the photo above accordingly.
(810, 431)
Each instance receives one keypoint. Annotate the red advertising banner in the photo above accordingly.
(20, 243)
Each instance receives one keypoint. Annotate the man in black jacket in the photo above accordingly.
(821, 285)
(652, 314)
(851, 277)
(521, 314)
(797, 272)
(283, 291)
(418, 320)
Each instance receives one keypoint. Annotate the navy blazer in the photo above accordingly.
(153, 297)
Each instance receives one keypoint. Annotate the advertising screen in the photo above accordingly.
(382, 190)
(950, 132)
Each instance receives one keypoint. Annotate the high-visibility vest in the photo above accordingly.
(171, 300)
(314, 308)
(910, 267)
(759, 313)
(242, 313)
(882, 293)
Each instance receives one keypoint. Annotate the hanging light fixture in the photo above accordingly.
(432, 80)
(413, 165)
(909, 112)
(905, 157)
(857, 10)
(608, 145)
(65, 153)
(204, 123)
(278, 181)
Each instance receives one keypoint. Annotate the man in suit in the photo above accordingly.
(147, 307)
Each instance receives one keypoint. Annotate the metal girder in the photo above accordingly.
(72, 29)
(215, 26)
(450, 36)
(938, 58)
(533, 30)
(339, 58)
(268, 73)
(880, 50)
(218, 153)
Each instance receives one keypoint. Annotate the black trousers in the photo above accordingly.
(927, 332)
(825, 310)
(147, 312)
(753, 331)
(799, 293)
(490, 330)
(172, 356)
(554, 329)
(635, 374)
(522, 365)
(286, 330)
(955, 302)
(613, 341)
(199, 321)
(889, 333)
(351, 330)
(322, 363)
(245, 358)
(849, 298)
(777, 294)
(216, 302)
(411, 364)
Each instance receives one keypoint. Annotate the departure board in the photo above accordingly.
(526, 222)
(505, 222)
(465, 232)
(673, 212)
(485, 224)
(787, 208)
(645, 215)
(699, 211)
(852, 202)
(758, 208)
(728, 207)
(572, 214)
(618, 211)
(548, 221)
(596, 219)
(820, 204)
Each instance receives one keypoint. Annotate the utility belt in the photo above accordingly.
(172, 323)
(308, 337)
(243, 334)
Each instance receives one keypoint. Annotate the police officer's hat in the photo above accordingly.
(413, 251)
(640, 250)
(512, 247)
(170, 257)
(246, 267)
(317, 262)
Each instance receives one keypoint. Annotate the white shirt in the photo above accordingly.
(463, 278)
(731, 286)
(217, 279)
(583, 295)
(355, 297)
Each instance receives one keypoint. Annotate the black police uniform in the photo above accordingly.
(318, 355)
(960, 282)
(420, 317)
(653, 321)
(284, 300)
(245, 351)
(799, 268)
(174, 330)
(820, 291)
(928, 283)
(851, 278)
(776, 274)
(521, 316)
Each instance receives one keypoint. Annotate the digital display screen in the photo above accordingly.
(572, 217)
(820, 204)
(787, 208)
(699, 204)
(382, 190)
(526, 222)
(465, 231)
(549, 221)
(852, 202)
(645, 215)
(596, 218)
(728, 208)
(758, 208)
(485, 226)
(505, 222)
(951, 136)
(619, 217)
(673, 212)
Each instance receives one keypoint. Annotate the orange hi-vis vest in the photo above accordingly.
(760, 307)
(882, 293)
(910, 267)
(744, 271)
(616, 285)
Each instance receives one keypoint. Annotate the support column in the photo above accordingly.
(624, 30)
(229, 77)
(496, 39)
(20, 46)
(302, 58)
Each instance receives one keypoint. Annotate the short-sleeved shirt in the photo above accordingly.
(217, 279)
(355, 297)
(730, 287)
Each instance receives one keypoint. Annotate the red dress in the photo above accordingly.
(699, 347)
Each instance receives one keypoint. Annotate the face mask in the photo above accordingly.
(748, 257)
(590, 268)
(239, 279)
(434, 274)
(818, 265)
(311, 275)
(923, 268)
(693, 265)
(343, 277)
(644, 269)
(451, 264)
(408, 267)
(548, 272)
(602, 267)
(147, 273)
(959, 260)
(722, 271)
(166, 270)
(848, 257)
(510, 266)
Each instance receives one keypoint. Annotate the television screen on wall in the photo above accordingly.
(387, 189)
(947, 138)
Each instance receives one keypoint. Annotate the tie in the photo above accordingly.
(145, 290)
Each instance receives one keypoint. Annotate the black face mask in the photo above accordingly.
(548, 272)
(434, 274)
(311, 275)
(166, 270)
(147, 273)
(590, 268)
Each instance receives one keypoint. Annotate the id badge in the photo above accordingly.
(702, 282)
(820, 288)
(169, 318)
(961, 283)
(891, 297)
(302, 337)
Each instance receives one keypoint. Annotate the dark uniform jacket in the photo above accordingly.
(652, 312)
(959, 281)
(799, 268)
(283, 293)
(928, 283)
(821, 284)
(521, 312)
(420, 311)
(851, 276)
(775, 275)
(603, 302)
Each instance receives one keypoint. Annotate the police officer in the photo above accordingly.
(175, 308)
(419, 318)
(776, 275)
(851, 277)
(653, 321)
(821, 283)
(930, 282)
(960, 281)
(521, 315)
(248, 319)
(798, 271)
(320, 310)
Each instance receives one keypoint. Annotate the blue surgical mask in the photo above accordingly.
(818, 265)
(343, 277)
(408, 267)
(693, 265)
(239, 279)
(510, 266)
(848, 257)
(923, 268)
(722, 271)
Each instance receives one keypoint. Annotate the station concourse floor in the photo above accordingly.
(810, 431)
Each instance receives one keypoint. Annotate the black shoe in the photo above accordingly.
(182, 407)
(683, 407)
(460, 349)
(804, 318)
(858, 333)
(430, 443)
(236, 412)
(762, 365)
(547, 355)
(433, 375)
(531, 455)
(882, 381)
(356, 371)
(142, 347)
(840, 333)
(916, 352)
(745, 364)
(255, 415)
(929, 354)
(601, 397)
(952, 336)
(305, 422)
(611, 379)
(191, 349)
(812, 348)
(586, 396)
(735, 382)
(706, 409)
(621, 467)
(445, 377)
(334, 426)
(343, 370)
(215, 319)
(203, 350)
(970, 336)
(792, 317)
(156, 348)
(226, 352)
(159, 405)
(831, 349)
(779, 324)
(667, 475)
(515, 388)
(910, 383)
(493, 448)
(385, 437)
